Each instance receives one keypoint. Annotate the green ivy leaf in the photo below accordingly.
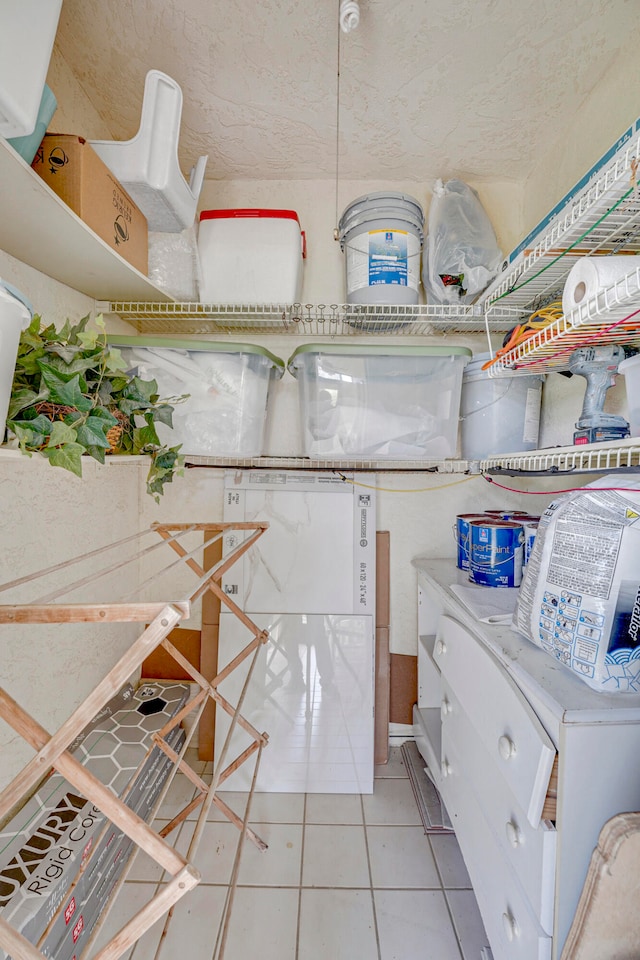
(105, 415)
(145, 437)
(164, 414)
(97, 453)
(93, 432)
(61, 434)
(22, 398)
(68, 393)
(31, 433)
(115, 362)
(68, 456)
(67, 364)
(146, 391)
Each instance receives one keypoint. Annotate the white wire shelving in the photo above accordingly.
(317, 320)
(604, 219)
(613, 316)
(590, 458)
(448, 466)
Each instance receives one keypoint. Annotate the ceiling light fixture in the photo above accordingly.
(349, 15)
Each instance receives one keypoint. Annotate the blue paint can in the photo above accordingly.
(496, 553)
(530, 528)
(461, 533)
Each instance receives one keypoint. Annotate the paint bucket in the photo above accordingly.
(381, 235)
(461, 534)
(530, 528)
(496, 553)
(498, 415)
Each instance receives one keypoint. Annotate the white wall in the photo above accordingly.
(49, 515)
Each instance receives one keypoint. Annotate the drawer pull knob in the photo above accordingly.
(514, 836)
(511, 929)
(445, 708)
(506, 747)
(445, 768)
(441, 647)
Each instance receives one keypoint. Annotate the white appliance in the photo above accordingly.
(310, 580)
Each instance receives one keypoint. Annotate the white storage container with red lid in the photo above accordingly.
(251, 256)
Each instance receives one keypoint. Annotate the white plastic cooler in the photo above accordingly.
(251, 256)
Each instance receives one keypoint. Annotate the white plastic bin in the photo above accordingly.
(15, 316)
(228, 383)
(499, 415)
(379, 402)
(251, 256)
(28, 31)
(630, 368)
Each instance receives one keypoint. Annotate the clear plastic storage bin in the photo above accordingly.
(379, 402)
(228, 386)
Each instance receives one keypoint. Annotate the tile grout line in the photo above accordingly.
(304, 825)
(445, 897)
(373, 899)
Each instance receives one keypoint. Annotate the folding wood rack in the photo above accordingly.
(160, 618)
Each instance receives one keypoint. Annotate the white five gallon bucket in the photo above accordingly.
(15, 316)
(500, 415)
(382, 235)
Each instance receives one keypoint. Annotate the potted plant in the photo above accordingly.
(72, 396)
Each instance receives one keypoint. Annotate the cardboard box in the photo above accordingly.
(44, 847)
(76, 173)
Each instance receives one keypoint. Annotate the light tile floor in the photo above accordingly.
(345, 877)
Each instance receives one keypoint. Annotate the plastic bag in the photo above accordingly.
(461, 251)
(580, 596)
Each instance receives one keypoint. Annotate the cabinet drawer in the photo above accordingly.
(513, 930)
(530, 851)
(507, 726)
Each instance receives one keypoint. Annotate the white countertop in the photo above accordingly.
(535, 671)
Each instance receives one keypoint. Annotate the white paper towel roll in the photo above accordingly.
(590, 275)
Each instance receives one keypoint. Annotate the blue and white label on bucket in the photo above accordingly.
(388, 257)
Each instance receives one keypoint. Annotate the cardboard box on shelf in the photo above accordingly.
(79, 177)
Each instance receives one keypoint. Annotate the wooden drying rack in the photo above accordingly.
(52, 750)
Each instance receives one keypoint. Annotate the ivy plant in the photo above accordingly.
(72, 396)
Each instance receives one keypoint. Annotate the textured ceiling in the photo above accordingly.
(471, 87)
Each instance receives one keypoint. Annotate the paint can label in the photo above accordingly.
(496, 553)
(461, 534)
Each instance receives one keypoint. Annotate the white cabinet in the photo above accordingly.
(530, 763)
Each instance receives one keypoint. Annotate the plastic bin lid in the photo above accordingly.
(8, 292)
(375, 351)
(249, 212)
(210, 346)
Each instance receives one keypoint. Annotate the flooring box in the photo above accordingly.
(76, 173)
(73, 926)
(114, 848)
(46, 844)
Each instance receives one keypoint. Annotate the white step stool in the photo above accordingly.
(147, 165)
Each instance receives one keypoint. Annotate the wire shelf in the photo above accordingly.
(608, 212)
(593, 458)
(305, 463)
(613, 316)
(317, 320)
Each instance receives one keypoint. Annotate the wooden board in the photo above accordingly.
(382, 669)
(209, 654)
(403, 687)
(160, 665)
